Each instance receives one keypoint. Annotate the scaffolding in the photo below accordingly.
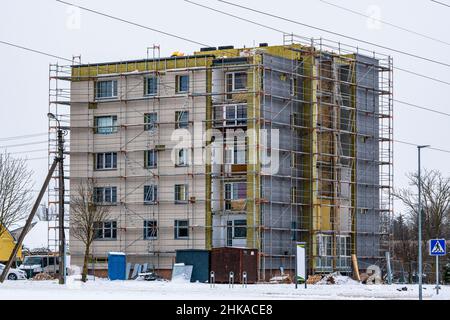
(59, 105)
(330, 105)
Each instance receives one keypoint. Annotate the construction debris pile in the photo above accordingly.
(337, 278)
(281, 279)
(43, 276)
(331, 278)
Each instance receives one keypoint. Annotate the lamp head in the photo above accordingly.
(51, 116)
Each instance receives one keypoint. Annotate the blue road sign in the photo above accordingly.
(437, 247)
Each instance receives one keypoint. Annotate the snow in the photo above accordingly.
(116, 253)
(338, 279)
(99, 288)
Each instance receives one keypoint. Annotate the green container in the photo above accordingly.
(199, 259)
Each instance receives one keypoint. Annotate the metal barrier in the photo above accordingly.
(231, 280)
(244, 279)
(212, 279)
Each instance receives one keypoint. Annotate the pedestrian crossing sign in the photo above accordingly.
(437, 247)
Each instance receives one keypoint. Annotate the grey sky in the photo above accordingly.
(53, 27)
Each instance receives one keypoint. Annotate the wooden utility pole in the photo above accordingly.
(13, 255)
(62, 237)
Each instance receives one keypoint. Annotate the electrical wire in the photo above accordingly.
(385, 22)
(418, 145)
(336, 33)
(22, 144)
(199, 43)
(132, 23)
(35, 51)
(24, 136)
(422, 108)
(285, 32)
(441, 3)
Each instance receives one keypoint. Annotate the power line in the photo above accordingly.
(131, 23)
(285, 32)
(182, 38)
(24, 136)
(441, 3)
(22, 144)
(32, 159)
(196, 42)
(417, 145)
(336, 33)
(422, 108)
(34, 50)
(29, 151)
(204, 44)
(422, 75)
(386, 23)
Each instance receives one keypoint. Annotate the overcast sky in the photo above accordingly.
(55, 28)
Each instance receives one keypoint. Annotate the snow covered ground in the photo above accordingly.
(105, 289)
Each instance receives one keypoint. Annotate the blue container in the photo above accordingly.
(199, 259)
(117, 264)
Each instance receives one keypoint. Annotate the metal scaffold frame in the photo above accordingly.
(59, 105)
(328, 170)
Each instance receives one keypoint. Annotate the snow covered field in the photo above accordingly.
(105, 289)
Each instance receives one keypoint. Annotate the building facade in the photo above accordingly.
(259, 148)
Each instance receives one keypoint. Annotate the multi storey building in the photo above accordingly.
(255, 147)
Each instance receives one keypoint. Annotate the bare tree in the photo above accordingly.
(435, 208)
(435, 203)
(85, 215)
(405, 245)
(15, 190)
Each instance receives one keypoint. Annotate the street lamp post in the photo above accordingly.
(61, 191)
(419, 222)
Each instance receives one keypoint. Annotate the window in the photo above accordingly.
(181, 193)
(150, 120)
(181, 119)
(324, 250)
(229, 233)
(324, 245)
(293, 87)
(235, 153)
(150, 229)
(105, 195)
(105, 230)
(235, 195)
(236, 81)
(182, 84)
(181, 229)
(151, 86)
(240, 229)
(150, 194)
(105, 161)
(235, 115)
(50, 261)
(235, 190)
(181, 157)
(106, 89)
(105, 124)
(343, 246)
(151, 158)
